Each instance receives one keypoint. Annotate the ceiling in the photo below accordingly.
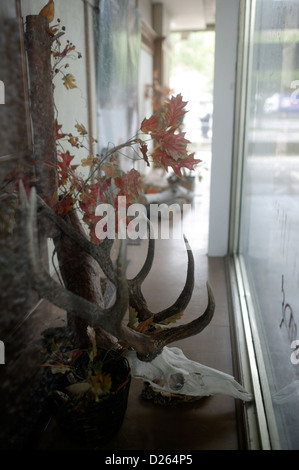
(190, 15)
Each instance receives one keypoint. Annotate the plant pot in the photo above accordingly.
(87, 422)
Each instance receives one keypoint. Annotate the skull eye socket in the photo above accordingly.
(176, 381)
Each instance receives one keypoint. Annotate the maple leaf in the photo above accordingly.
(105, 383)
(173, 318)
(81, 129)
(150, 125)
(161, 158)
(134, 181)
(133, 317)
(188, 162)
(65, 205)
(111, 169)
(129, 183)
(65, 159)
(73, 141)
(174, 145)
(69, 81)
(174, 111)
(88, 161)
(144, 149)
(65, 169)
(59, 135)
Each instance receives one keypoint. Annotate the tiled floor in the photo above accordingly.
(210, 423)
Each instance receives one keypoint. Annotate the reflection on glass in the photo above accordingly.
(269, 240)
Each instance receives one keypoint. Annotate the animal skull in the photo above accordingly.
(172, 372)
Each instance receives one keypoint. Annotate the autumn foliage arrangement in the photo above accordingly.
(106, 180)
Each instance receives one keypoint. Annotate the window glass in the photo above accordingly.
(269, 230)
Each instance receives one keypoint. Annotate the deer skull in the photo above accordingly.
(172, 372)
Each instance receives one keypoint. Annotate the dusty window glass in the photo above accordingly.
(14, 123)
(269, 241)
(118, 65)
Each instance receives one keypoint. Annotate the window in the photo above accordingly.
(268, 236)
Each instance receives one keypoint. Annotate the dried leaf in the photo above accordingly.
(172, 319)
(133, 317)
(59, 135)
(73, 141)
(81, 129)
(105, 383)
(144, 150)
(88, 161)
(69, 81)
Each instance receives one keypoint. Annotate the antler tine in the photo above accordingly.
(148, 346)
(101, 252)
(144, 271)
(186, 294)
(192, 328)
(137, 300)
(47, 288)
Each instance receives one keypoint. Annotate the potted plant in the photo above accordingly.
(90, 400)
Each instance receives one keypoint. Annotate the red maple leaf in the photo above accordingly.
(65, 205)
(161, 158)
(166, 161)
(175, 111)
(188, 162)
(57, 131)
(66, 170)
(175, 145)
(150, 125)
(144, 149)
(129, 183)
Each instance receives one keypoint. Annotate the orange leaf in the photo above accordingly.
(73, 141)
(48, 11)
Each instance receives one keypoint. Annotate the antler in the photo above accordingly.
(101, 252)
(110, 319)
(137, 300)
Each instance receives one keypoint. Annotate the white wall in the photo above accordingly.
(227, 19)
(145, 9)
(72, 105)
